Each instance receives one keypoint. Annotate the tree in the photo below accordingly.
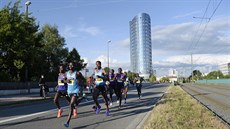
(107, 69)
(227, 76)
(197, 75)
(74, 57)
(152, 78)
(215, 75)
(131, 75)
(18, 39)
(52, 53)
(164, 79)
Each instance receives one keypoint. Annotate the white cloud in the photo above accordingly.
(186, 15)
(69, 32)
(91, 30)
(183, 38)
(125, 42)
(171, 45)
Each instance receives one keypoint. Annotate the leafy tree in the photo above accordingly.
(197, 75)
(107, 69)
(74, 57)
(52, 53)
(18, 39)
(26, 53)
(131, 75)
(152, 78)
(227, 76)
(164, 79)
(215, 75)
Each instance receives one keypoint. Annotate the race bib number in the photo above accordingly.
(60, 83)
(99, 80)
(126, 83)
(71, 81)
(119, 80)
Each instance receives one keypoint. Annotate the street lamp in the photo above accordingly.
(109, 41)
(26, 10)
(26, 18)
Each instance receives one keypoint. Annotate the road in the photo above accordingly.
(42, 115)
(215, 97)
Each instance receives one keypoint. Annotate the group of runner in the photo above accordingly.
(70, 85)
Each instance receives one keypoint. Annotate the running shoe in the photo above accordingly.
(66, 125)
(111, 104)
(75, 113)
(117, 101)
(59, 113)
(107, 113)
(98, 109)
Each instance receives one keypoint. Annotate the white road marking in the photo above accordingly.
(39, 113)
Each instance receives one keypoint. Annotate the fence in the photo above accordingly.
(215, 81)
(23, 85)
(8, 88)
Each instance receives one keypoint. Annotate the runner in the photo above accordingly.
(112, 86)
(138, 80)
(126, 85)
(73, 91)
(120, 85)
(90, 84)
(100, 87)
(61, 90)
(80, 83)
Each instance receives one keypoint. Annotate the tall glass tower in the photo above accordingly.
(140, 44)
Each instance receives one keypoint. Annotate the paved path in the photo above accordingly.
(43, 114)
(215, 97)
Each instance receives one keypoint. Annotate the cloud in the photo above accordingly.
(113, 63)
(69, 32)
(184, 38)
(172, 46)
(186, 15)
(94, 31)
(125, 42)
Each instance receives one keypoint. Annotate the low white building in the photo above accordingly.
(173, 75)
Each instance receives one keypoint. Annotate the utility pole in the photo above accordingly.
(192, 66)
(109, 41)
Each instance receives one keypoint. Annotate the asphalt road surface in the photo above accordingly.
(42, 115)
(215, 97)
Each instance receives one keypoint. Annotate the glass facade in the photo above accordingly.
(140, 44)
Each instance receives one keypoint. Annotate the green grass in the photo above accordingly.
(178, 110)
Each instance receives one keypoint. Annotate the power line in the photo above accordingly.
(195, 34)
(196, 44)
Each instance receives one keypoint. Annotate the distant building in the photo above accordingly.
(225, 68)
(173, 75)
(140, 45)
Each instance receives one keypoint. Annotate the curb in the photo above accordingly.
(149, 112)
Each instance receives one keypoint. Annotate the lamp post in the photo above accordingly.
(26, 18)
(26, 9)
(109, 41)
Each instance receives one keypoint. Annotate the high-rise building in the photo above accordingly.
(225, 68)
(140, 44)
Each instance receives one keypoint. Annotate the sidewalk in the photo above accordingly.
(14, 99)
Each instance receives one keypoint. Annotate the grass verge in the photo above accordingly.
(178, 110)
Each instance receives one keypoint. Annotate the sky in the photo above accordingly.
(180, 29)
